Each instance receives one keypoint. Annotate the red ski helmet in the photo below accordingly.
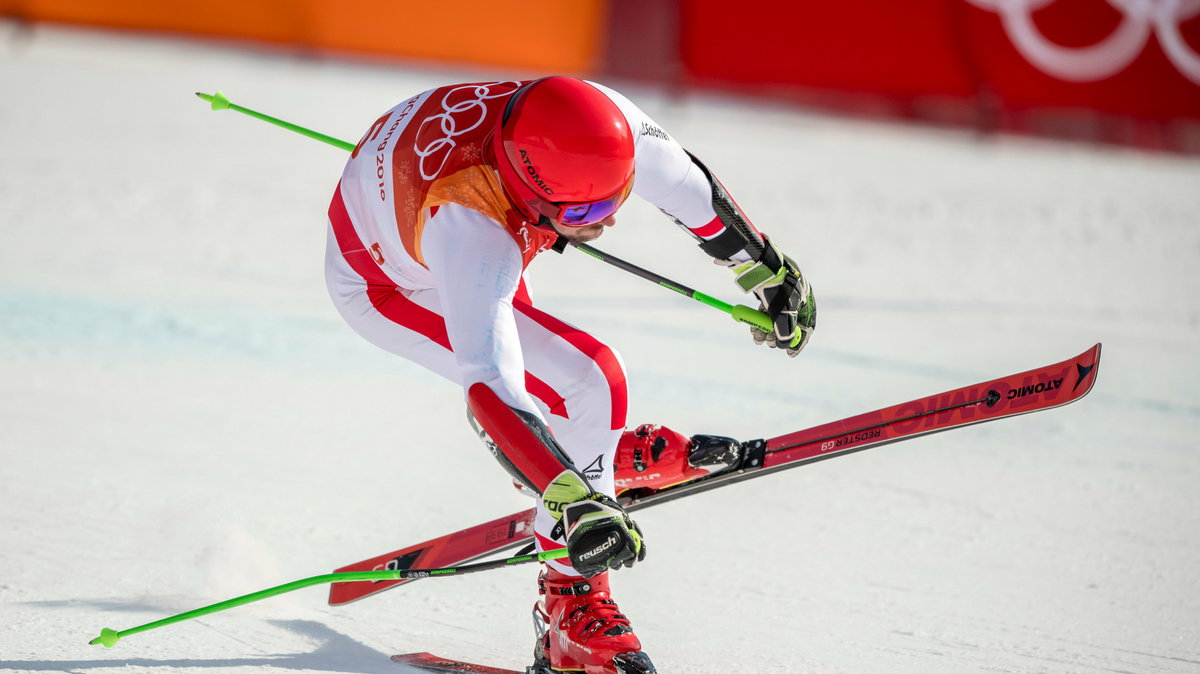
(564, 151)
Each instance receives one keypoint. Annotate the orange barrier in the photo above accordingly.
(562, 37)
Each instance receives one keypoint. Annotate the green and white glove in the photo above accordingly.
(599, 534)
(783, 294)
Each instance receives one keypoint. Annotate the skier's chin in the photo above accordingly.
(581, 234)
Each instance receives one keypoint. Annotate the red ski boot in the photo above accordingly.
(654, 457)
(580, 629)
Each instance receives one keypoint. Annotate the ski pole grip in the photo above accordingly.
(744, 314)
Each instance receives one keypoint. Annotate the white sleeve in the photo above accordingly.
(476, 267)
(665, 174)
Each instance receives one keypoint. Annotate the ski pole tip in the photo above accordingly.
(219, 100)
(107, 638)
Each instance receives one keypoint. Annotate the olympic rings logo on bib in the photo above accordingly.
(1111, 55)
(455, 119)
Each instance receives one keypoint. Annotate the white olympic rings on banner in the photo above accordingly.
(472, 110)
(1112, 54)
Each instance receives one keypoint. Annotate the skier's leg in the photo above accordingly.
(578, 384)
(403, 322)
(580, 626)
(584, 401)
(400, 321)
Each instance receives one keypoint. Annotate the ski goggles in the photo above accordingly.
(582, 214)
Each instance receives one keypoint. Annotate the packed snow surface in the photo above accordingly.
(185, 418)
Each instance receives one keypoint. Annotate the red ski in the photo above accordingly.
(449, 550)
(1033, 391)
(431, 663)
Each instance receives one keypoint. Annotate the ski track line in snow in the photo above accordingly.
(40, 327)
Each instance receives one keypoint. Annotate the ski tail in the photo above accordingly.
(450, 550)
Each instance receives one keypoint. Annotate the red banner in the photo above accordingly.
(904, 48)
(1119, 59)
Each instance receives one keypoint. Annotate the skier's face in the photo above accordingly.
(585, 233)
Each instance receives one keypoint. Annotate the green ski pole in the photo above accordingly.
(740, 312)
(221, 102)
(109, 637)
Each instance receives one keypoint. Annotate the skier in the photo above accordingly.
(442, 205)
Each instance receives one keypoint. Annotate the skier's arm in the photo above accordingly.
(477, 267)
(685, 189)
(761, 268)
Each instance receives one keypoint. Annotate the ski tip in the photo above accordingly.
(218, 100)
(1086, 366)
(107, 638)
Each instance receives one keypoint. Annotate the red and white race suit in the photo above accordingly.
(426, 257)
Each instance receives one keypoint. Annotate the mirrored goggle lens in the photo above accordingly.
(580, 215)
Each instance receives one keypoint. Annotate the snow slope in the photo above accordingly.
(184, 418)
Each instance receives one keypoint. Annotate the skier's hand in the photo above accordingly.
(599, 534)
(783, 294)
